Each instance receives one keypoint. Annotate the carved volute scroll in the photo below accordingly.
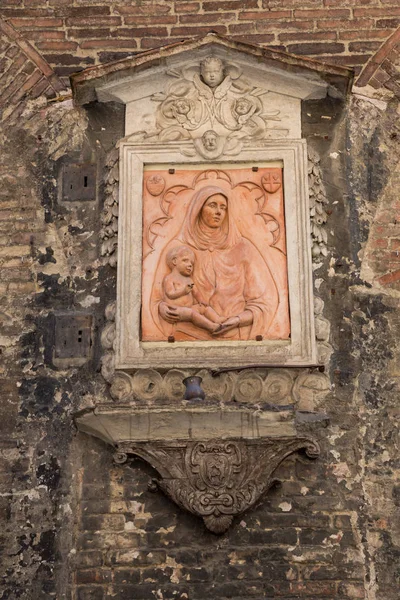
(216, 479)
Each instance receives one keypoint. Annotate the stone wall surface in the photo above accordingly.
(75, 525)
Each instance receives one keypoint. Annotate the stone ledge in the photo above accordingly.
(116, 425)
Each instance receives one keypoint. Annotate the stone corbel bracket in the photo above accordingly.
(215, 463)
(216, 479)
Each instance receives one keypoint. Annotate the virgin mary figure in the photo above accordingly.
(230, 275)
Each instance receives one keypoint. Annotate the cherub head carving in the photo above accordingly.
(242, 106)
(210, 140)
(212, 71)
(182, 106)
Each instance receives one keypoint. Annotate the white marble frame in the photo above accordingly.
(131, 352)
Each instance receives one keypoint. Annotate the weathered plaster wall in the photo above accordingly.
(77, 526)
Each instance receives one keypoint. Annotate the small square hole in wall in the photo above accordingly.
(79, 182)
(73, 336)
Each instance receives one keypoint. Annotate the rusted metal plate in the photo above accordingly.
(73, 335)
(79, 182)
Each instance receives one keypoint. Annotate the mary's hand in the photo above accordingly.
(168, 313)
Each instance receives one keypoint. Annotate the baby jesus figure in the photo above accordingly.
(179, 292)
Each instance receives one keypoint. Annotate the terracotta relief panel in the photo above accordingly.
(214, 254)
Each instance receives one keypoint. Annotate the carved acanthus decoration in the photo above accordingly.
(107, 341)
(322, 332)
(318, 200)
(214, 107)
(216, 479)
(109, 215)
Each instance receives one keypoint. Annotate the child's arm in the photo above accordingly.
(174, 289)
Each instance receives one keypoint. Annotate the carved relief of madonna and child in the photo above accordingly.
(214, 260)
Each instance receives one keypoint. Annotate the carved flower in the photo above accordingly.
(278, 386)
(173, 384)
(147, 384)
(121, 386)
(249, 387)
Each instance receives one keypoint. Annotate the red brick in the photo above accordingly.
(389, 277)
(150, 43)
(377, 12)
(316, 48)
(387, 23)
(28, 68)
(88, 33)
(379, 57)
(143, 9)
(141, 32)
(271, 26)
(381, 77)
(241, 28)
(271, 14)
(109, 43)
(93, 576)
(395, 244)
(44, 34)
(393, 86)
(68, 59)
(229, 5)
(12, 52)
(7, 13)
(163, 20)
(269, 4)
(320, 14)
(189, 31)
(257, 38)
(83, 11)
(368, 35)
(364, 46)
(208, 18)
(19, 61)
(93, 21)
(67, 71)
(46, 22)
(299, 36)
(62, 46)
(352, 2)
(6, 93)
(28, 85)
(187, 7)
(380, 243)
(393, 56)
(354, 24)
(350, 61)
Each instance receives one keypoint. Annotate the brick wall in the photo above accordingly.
(137, 544)
(74, 34)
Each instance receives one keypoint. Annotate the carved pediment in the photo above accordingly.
(212, 92)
